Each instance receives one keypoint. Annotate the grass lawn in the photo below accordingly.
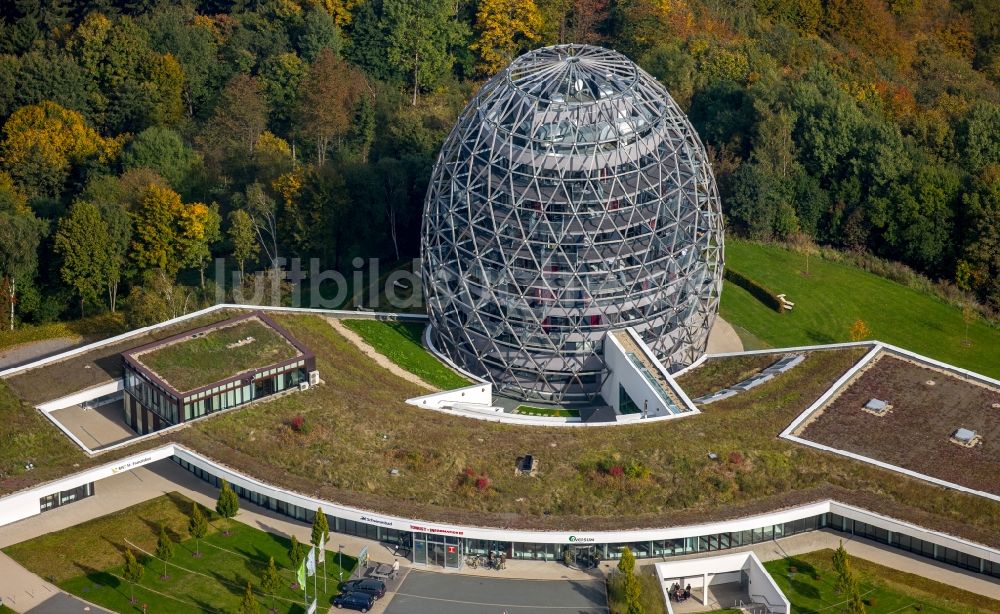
(216, 355)
(401, 342)
(650, 595)
(811, 588)
(547, 411)
(834, 295)
(86, 560)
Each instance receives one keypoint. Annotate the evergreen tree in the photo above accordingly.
(197, 527)
(228, 504)
(132, 572)
(164, 548)
(626, 565)
(270, 581)
(320, 528)
(249, 603)
(295, 553)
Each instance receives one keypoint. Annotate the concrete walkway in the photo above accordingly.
(723, 338)
(374, 354)
(24, 353)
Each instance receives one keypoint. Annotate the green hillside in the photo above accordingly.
(834, 295)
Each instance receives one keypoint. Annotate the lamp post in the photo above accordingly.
(340, 561)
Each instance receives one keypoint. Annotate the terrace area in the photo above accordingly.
(925, 407)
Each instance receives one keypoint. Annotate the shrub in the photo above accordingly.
(482, 483)
(636, 470)
(761, 292)
(298, 424)
(616, 471)
(469, 472)
(735, 458)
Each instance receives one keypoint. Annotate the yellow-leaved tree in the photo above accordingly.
(43, 142)
(167, 234)
(505, 27)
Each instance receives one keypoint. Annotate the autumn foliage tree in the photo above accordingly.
(167, 232)
(504, 28)
(329, 96)
(43, 142)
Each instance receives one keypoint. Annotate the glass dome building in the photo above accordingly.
(571, 198)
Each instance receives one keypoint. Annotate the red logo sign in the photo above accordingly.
(451, 549)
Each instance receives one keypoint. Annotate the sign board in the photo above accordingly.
(452, 549)
(363, 556)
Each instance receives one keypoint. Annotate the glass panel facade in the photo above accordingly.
(445, 550)
(224, 396)
(65, 497)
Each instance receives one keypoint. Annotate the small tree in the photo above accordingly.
(847, 581)
(243, 237)
(197, 527)
(295, 553)
(860, 331)
(629, 582)
(228, 504)
(132, 572)
(320, 528)
(270, 581)
(164, 549)
(249, 603)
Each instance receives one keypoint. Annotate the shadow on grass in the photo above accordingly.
(819, 337)
(803, 589)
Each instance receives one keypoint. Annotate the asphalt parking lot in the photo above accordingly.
(423, 592)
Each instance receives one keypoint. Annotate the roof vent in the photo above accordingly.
(965, 437)
(877, 407)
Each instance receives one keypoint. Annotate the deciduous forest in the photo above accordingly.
(142, 139)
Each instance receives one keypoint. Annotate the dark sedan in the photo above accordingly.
(376, 588)
(355, 601)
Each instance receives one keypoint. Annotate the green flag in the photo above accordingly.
(301, 577)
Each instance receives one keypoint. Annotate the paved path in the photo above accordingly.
(34, 350)
(374, 354)
(723, 338)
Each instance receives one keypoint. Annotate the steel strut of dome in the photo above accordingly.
(572, 197)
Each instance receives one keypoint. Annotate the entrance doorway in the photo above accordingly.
(437, 550)
(580, 557)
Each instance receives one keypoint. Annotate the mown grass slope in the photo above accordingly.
(833, 295)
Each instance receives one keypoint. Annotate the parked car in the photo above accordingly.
(376, 588)
(355, 601)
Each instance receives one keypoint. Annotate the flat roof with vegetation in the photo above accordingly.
(217, 352)
(359, 428)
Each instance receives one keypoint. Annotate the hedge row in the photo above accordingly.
(761, 292)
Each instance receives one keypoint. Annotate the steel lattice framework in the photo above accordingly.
(572, 197)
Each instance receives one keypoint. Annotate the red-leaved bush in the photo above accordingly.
(735, 458)
(616, 471)
(482, 483)
(297, 422)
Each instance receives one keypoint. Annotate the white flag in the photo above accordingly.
(322, 546)
(311, 562)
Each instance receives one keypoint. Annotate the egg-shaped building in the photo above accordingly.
(571, 198)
